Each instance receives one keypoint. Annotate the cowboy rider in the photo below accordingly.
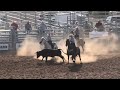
(77, 32)
(72, 40)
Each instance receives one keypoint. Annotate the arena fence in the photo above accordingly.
(11, 40)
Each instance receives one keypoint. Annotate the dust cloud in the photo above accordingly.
(28, 47)
(93, 48)
(86, 58)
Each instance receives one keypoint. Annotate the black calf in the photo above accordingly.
(49, 53)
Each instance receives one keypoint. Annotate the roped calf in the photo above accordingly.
(50, 53)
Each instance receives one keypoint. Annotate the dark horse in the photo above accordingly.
(80, 41)
(72, 50)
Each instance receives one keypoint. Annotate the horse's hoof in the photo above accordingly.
(81, 63)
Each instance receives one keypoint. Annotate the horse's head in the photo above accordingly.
(67, 42)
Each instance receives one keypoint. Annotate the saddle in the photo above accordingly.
(72, 47)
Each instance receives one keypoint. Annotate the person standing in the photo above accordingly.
(14, 27)
(43, 27)
(28, 27)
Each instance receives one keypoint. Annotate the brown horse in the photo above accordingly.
(80, 42)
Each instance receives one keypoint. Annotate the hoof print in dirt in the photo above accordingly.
(75, 67)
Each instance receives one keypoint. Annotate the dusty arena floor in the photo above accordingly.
(14, 67)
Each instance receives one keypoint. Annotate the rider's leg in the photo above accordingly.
(77, 37)
(52, 45)
(50, 42)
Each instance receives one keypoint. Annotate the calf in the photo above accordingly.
(49, 53)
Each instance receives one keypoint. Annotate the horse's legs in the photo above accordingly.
(62, 57)
(42, 58)
(46, 59)
(68, 58)
(83, 48)
(80, 57)
(73, 59)
(82, 44)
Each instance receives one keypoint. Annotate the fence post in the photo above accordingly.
(35, 20)
(70, 18)
(6, 16)
(25, 15)
(13, 33)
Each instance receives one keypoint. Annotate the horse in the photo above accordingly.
(47, 45)
(80, 41)
(72, 50)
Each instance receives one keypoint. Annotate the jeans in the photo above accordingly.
(27, 31)
(50, 42)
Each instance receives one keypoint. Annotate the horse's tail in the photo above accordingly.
(63, 51)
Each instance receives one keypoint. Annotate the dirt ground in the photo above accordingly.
(14, 67)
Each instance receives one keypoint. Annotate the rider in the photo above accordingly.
(72, 40)
(77, 32)
(49, 40)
